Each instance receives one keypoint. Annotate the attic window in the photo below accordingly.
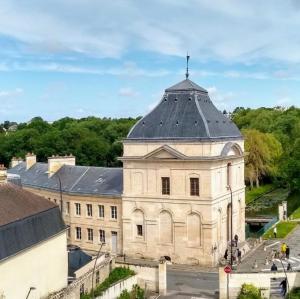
(217, 121)
(143, 123)
(177, 123)
(190, 99)
(196, 123)
(176, 99)
(161, 123)
(165, 99)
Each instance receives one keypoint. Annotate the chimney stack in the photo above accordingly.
(3, 174)
(15, 161)
(30, 160)
(56, 162)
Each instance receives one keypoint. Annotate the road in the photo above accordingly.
(191, 284)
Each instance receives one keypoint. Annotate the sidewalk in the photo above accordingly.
(259, 255)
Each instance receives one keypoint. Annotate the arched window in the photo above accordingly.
(165, 227)
(194, 229)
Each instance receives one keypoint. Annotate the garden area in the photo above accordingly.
(115, 275)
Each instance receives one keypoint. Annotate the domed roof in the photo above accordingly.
(185, 113)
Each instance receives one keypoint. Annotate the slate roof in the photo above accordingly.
(85, 180)
(185, 113)
(26, 219)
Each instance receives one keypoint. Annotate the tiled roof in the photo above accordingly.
(185, 113)
(75, 179)
(26, 219)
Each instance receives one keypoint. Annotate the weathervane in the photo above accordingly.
(187, 66)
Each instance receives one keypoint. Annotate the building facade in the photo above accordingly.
(33, 245)
(89, 198)
(180, 164)
(182, 180)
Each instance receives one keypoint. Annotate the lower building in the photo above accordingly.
(33, 244)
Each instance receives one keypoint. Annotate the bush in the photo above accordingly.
(249, 291)
(136, 293)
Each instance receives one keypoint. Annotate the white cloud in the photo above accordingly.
(127, 92)
(224, 30)
(11, 93)
(221, 100)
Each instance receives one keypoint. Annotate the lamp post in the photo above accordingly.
(98, 253)
(231, 228)
(31, 289)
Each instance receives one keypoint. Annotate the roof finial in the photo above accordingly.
(187, 65)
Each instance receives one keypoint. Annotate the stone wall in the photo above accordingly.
(84, 282)
(115, 290)
(261, 280)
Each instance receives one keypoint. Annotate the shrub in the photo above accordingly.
(249, 291)
(136, 293)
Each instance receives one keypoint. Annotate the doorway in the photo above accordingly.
(114, 242)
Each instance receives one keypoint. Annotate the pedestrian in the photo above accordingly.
(239, 255)
(289, 267)
(275, 232)
(236, 239)
(287, 252)
(283, 287)
(283, 249)
(274, 267)
(226, 254)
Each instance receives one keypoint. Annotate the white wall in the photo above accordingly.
(43, 266)
(114, 291)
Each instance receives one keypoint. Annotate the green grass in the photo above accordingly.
(293, 203)
(283, 229)
(295, 294)
(256, 192)
(115, 275)
(296, 214)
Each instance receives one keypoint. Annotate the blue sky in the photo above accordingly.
(115, 58)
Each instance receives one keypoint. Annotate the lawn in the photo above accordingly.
(296, 214)
(256, 192)
(283, 229)
(295, 294)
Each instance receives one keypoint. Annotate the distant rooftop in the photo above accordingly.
(88, 180)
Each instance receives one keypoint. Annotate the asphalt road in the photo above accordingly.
(191, 284)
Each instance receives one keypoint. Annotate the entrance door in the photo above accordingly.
(114, 242)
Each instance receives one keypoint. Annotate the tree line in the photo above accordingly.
(272, 142)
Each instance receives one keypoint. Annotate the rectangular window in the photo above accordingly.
(101, 211)
(194, 182)
(165, 185)
(67, 208)
(77, 209)
(90, 234)
(78, 233)
(139, 230)
(89, 210)
(69, 232)
(102, 235)
(114, 214)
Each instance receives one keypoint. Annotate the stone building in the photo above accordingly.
(89, 197)
(33, 244)
(180, 162)
(173, 196)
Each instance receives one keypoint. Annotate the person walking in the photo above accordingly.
(275, 232)
(239, 255)
(226, 254)
(236, 239)
(283, 249)
(289, 267)
(274, 267)
(287, 252)
(283, 287)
